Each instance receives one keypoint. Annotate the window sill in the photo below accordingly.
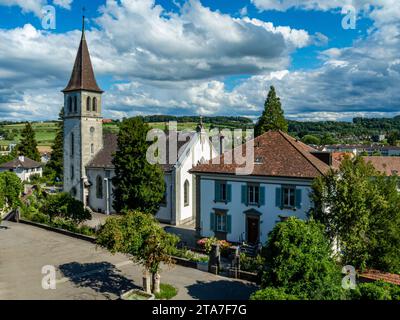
(289, 208)
(221, 201)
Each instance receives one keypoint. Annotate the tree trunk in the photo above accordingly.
(156, 282)
(146, 282)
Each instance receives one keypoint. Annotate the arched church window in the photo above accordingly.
(92, 148)
(75, 104)
(69, 104)
(99, 187)
(72, 172)
(94, 104)
(186, 193)
(88, 104)
(72, 144)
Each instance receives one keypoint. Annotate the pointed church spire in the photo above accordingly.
(82, 77)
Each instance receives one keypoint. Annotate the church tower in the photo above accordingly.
(83, 132)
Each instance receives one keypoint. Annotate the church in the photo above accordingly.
(88, 153)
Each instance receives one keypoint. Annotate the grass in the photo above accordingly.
(45, 132)
(166, 292)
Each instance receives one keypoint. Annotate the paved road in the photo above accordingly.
(84, 271)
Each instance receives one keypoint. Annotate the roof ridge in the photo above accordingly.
(286, 137)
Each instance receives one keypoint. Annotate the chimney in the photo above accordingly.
(21, 158)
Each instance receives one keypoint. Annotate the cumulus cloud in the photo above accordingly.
(35, 6)
(138, 41)
(66, 4)
(177, 63)
(194, 43)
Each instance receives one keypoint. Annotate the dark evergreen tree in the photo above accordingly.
(138, 184)
(272, 117)
(54, 168)
(28, 146)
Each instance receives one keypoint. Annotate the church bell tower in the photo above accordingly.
(83, 132)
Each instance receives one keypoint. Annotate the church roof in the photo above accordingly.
(275, 154)
(103, 159)
(82, 77)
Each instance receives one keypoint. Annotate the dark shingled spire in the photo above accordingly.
(82, 77)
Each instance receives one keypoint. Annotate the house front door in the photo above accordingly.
(253, 229)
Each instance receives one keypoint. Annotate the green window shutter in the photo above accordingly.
(212, 221)
(278, 197)
(216, 191)
(262, 196)
(298, 198)
(228, 192)
(228, 223)
(244, 194)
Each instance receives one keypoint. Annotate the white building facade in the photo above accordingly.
(245, 208)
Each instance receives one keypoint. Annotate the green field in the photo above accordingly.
(45, 132)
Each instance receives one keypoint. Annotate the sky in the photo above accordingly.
(328, 59)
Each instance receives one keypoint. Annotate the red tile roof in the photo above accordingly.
(278, 154)
(18, 163)
(388, 165)
(82, 77)
(379, 275)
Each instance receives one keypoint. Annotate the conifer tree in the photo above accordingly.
(54, 168)
(272, 117)
(139, 185)
(28, 146)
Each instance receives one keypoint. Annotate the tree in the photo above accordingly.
(54, 169)
(299, 261)
(327, 139)
(28, 145)
(10, 190)
(272, 294)
(393, 137)
(272, 117)
(360, 209)
(310, 139)
(139, 235)
(139, 185)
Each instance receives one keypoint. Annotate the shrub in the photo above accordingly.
(251, 264)
(207, 243)
(272, 294)
(298, 259)
(378, 290)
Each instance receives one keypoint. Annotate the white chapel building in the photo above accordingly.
(88, 154)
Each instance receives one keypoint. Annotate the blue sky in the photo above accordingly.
(210, 57)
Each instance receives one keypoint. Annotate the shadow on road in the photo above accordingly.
(221, 290)
(102, 277)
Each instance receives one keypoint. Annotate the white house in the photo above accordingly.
(23, 167)
(245, 208)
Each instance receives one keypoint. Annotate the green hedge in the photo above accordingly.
(378, 290)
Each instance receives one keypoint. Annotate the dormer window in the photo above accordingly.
(258, 160)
